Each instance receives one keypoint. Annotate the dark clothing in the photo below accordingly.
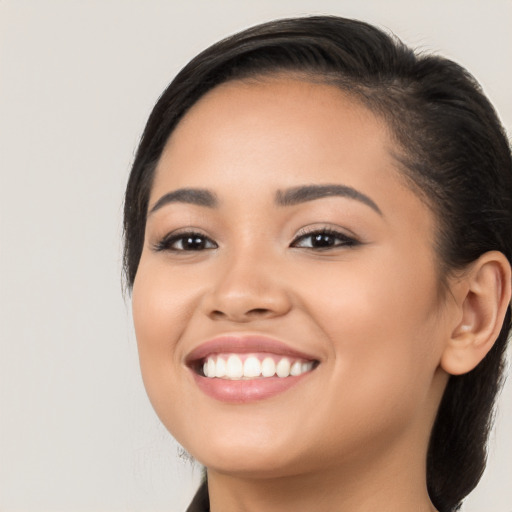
(201, 501)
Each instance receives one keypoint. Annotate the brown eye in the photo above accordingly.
(186, 242)
(325, 239)
(191, 243)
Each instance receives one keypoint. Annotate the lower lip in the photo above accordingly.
(244, 391)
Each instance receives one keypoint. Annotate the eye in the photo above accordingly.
(323, 239)
(185, 241)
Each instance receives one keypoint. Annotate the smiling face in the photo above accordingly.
(280, 230)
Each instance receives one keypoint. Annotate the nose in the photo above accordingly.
(247, 289)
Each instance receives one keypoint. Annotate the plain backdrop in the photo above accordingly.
(77, 81)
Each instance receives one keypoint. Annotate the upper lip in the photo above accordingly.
(245, 344)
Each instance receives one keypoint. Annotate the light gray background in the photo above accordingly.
(77, 81)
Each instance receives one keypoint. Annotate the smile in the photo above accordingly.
(247, 368)
(253, 366)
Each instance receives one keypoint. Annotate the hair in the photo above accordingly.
(452, 150)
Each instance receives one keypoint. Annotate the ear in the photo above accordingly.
(483, 298)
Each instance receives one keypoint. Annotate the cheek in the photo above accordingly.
(382, 322)
(383, 357)
(161, 305)
(159, 317)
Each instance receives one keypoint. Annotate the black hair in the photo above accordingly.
(453, 152)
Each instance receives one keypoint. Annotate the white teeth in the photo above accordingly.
(211, 368)
(296, 368)
(283, 368)
(268, 367)
(306, 367)
(252, 367)
(231, 367)
(220, 368)
(234, 367)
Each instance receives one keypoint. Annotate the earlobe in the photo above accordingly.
(483, 305)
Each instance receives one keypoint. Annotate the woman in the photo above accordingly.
(317, 238)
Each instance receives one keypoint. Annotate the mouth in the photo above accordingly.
(247, 368)
(252, 366)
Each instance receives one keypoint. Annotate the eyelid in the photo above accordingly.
(348, 239)
(165, 243)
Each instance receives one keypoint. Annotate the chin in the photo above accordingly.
(249, 465)
(255, 457)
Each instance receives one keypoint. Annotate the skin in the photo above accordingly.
(353, 434)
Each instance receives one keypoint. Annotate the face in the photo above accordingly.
(281, 238)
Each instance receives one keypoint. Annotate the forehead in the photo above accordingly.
(268, 122)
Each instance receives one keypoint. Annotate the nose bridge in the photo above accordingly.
(247, 285)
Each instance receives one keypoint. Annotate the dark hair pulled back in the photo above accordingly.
(452, 150)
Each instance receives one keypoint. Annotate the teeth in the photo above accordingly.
(252, 367)
(268, 367)
(283, 368)
(296, 368)
(211, 368)
(307, 367)
(231, 367)
(220, 368)
(234, 367)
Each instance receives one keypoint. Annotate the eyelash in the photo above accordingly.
(166, 244)
(326, 235)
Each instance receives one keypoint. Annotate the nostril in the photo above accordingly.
(258, 311)
(216, 314)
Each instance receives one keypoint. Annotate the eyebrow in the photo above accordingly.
(289, 197)
(197, 196)
(306, 193)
